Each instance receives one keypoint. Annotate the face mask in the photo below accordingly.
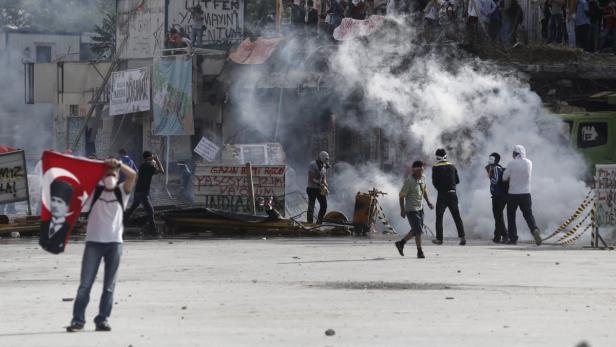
(110, 182)
(491, 160)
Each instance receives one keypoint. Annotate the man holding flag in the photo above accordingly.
(103, 241)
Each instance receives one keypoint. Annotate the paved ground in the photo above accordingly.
(287, 292)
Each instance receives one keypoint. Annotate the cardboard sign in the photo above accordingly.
(13, 177)
(225, 187)
(207, 149)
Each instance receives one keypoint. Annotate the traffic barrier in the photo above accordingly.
(589, 199)
(389, 229)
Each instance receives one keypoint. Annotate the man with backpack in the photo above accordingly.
(498, 190)
(103, 241)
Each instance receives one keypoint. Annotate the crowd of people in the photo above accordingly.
(587, 24)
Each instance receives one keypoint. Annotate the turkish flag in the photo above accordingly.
(67, 183)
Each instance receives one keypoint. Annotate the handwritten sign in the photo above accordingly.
(13, 177)
(225, 187)
(130, 91)
(223, 19)
(144, 28)
(352, 28)
(605, 190)
(207, 149)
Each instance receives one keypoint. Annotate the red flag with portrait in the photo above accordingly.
(66, 185)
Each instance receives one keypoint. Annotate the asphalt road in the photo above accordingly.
(288, 292)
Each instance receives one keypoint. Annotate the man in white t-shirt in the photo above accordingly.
(103, 241)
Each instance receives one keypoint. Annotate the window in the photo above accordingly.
(592, 134)
(43, 54)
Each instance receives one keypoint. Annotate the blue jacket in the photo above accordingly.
(495, 172)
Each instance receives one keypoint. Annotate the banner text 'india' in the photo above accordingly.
(172, 89)
(67, 183)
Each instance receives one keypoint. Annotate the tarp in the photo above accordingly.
(255, 52)
(172, 101)
(353, 28)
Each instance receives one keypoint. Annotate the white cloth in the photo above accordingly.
(519, 172)
(106, 217)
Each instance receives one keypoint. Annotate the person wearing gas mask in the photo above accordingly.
(518, 174)
(103, 242)
(498, 190)
(317, 187)
(150, 167)
(445, 179)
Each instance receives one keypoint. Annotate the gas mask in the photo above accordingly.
(110, 182)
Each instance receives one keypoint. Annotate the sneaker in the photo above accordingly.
(496, 239)
(104, 326)
(462, 242)
(74, 327)
(420, 254)
(512, 242)
(505, 240)
(437, 242)
(400, 247)
(537, 237)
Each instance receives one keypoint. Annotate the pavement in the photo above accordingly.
(289, 292)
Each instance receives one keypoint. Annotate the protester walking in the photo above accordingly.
(498, 190)
(411, 206)
(103, 242)
(150, 167)
(556, 21)
(317, 187)
(445, 178)
(518, 174)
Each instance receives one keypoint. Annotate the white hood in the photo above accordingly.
(520, 149)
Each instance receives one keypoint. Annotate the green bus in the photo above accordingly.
(593, 134)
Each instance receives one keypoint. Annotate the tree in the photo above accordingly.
(105, 36)
(12, 14)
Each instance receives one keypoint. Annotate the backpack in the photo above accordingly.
(97, 194)
(503, 185)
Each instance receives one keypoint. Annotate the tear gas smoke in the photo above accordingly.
(443, 98)
(422, 98)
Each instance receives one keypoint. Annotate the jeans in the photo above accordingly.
(505, 31)
(571, 33)
(525, 203)
(448, 200)
(196, 36)
(143, 199)
(92, 255)
(498, 207)
(555, 28)
(315, 194)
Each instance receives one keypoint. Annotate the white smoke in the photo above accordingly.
(442, 98)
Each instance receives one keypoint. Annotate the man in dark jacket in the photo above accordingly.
(499, 196)
(445, 178)
(150, 167)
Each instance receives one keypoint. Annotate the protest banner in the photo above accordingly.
(172, 102)
(130, 91)
(13, 176)
(226, 187)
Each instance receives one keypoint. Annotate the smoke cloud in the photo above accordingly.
(423, 98)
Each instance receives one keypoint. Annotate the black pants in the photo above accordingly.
(498, 205)
(143, 199)
(582, 36)
(525, 203)
(315, 194)
(449, 201)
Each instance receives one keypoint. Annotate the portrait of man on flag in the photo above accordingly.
(67, 184)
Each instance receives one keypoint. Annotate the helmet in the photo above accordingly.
(324, 157)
